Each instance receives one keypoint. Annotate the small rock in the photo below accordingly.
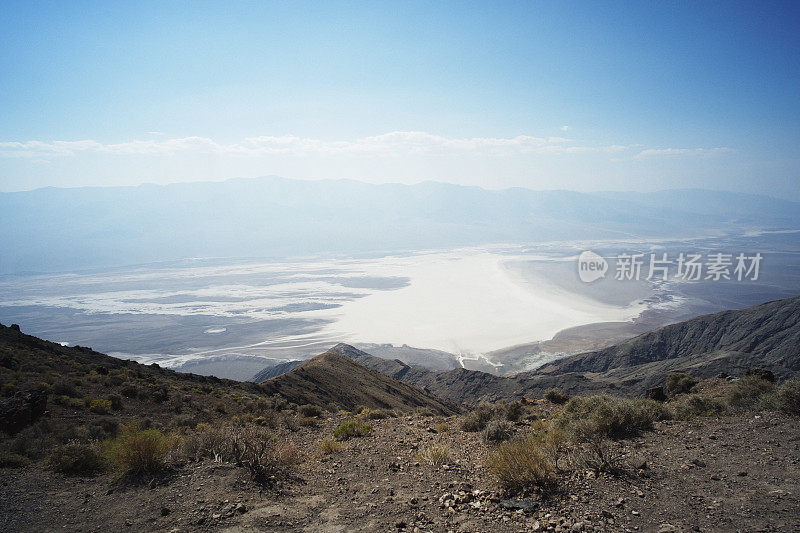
(165, 511)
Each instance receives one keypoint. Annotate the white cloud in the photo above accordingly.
(564, 128)
(396, 143)
(682, 152)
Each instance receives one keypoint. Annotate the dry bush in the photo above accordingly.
(600, 455)
(76, 458)
(698, 406)
(12, 460)
(34, 442)
(376, 414)
(350, 429)
(750, 392)
(98, 406)
(307, 421)
(524, 463)
(514, 411)
(310, 410)
(680, 383)
(441, 427)
(64, 388)
(435, 454)
(138, 451)
(789, 397)
(556, 396)
(588, 417)
(267, 457)
(477, 419)
(498, 431)
(328, 446)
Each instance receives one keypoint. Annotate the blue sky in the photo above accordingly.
(578, 95)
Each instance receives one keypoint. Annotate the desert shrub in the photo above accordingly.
(183, 421)
(261, 453)
(310, 410)
(255, 448)
(789, 397)
(587, 417)
(762, 373)
(8, 389)
(600, 455)
(129, 390)
(221, 408)
(12, 460)
(750, 392)
(350, 429)
(697, 406)
(159, 394)
(116, 402)
(288, 421)
(680, 383)
(307, 421)
(103, 429)
(64, 388)
(76, 458)
(98, 406)
(556, 396)
(514, 411)
(328, 446)
(497, 431)
(441, 427)
(477, 419)
(74, 403)
(374, 414)
(137, 450)
(34, 442)
(205, 442)
(435, 454)
(524, 463)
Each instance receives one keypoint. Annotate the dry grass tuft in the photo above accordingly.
(435, 454)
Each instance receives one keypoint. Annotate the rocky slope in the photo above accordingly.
(276, 370)
(730, 342)
(763, 335)
(731, 474)
(335, 381)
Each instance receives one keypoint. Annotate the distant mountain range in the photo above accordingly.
(55, 229)
(730, 342)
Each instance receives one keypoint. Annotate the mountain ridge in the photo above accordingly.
(71, 229)
(730, 342)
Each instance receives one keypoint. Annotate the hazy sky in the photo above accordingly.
(577, 95)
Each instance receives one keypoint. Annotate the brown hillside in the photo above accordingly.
(336, 381)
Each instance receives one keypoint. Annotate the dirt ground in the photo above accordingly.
(727, 474)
